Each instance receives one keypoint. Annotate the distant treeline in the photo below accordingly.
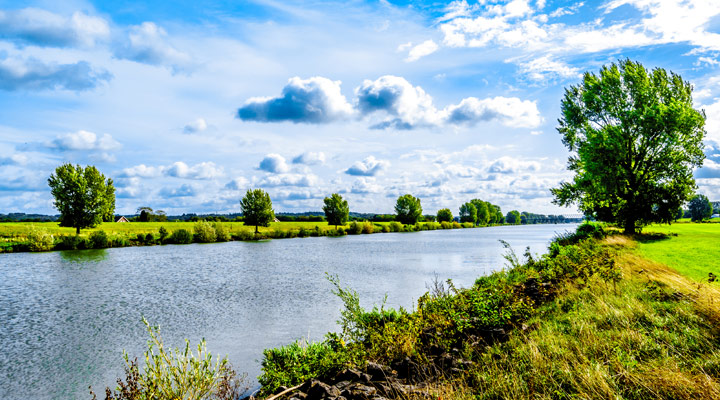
(22, 217)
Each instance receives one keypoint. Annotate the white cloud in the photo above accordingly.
(423, 49)
(33, 74)
(365, 186)
(290, 180)
(511, 165)
(239, 183)
(310, 158)
(274, 163)
(544, 68)
(712, 123)
(370, 166)
(196, 126)
(510, 111)
(203, 170)
(409, 105)
(85, 141)
(183, 190)
(142, 171)
(15, 159)
(314, 100)
(147, 43)
(44, 28)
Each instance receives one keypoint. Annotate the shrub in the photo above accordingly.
(356, 228)
(39, 240)
(385, 229)
(204, 232)
(140, 237)
(396, 226)
(149, 238)
(429, 226)
(221, 234)
(446, 225)
(456, 225)
(468, 225)
(99, 240)
(72, 242)
(181, 236)
(303, 232)
(163, 234)
(367, 227)
(341, 231)
(176, 374)
(244, 235)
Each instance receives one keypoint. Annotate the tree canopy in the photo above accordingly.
(468, 212)
(700, 208)
(408, 209)
(444, 215)
(257, 208)
(513, 217)
(336, 210)
(83, 196)
(634, 139)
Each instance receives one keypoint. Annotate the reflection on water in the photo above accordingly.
(84, 256)
(65, 317)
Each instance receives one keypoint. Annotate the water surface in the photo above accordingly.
(65, 317)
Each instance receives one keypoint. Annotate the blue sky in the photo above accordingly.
(188, 104)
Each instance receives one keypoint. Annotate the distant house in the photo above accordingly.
(122, 219)
(276, 220)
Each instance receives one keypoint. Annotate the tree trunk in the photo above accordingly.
(256, 229)
(77, 230)
(630, 226)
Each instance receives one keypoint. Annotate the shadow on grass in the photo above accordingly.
(652, 237)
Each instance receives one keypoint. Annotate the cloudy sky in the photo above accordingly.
(187, 105)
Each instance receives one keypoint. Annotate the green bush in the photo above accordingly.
(468, 225)
(39, 240)
(181, 236)
(176, 374)
(446, 225)
(149, 238)
(72, 242)
(221, 234)
(368, 227)
(355, 228)
(163, 234)
(204, 232)
(303, 232)
(396, 226)
(385, 228)
(140, 237)
(99, 240)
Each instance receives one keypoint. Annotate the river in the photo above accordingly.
(65, 317)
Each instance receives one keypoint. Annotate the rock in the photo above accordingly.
(351, 375)
(366, 378)
(359, 392)
(342, 385)
(319, 390)
(378, 372)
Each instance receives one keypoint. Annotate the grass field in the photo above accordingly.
(694, 252)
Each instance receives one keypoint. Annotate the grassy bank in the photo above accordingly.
(44, 236)
(592, 319)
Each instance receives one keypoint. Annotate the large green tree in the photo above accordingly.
(444, 215)
(513, 217)
(700, 208)
(482, 211)
(468, 213)
(82, 196)
(408, 209)
(634, 139)
(257, 208)
(336, 210)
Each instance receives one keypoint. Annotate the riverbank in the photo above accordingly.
(47, 236)
(593, 319)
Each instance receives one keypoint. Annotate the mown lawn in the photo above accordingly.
(694, 252)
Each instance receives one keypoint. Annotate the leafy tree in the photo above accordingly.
(336, 210)
(444, 215)
(81, 196)
(408, 209)
(468, 213)
(257, 208)
(109, 202)
(700, 208)
(513, 217)
(634, 139)
(482, 211)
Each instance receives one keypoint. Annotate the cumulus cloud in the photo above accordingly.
(544, 68)
(510, 111)
(147, 43)
(239, 183)
(85, 141)
(423, 49)
(370, 166)
(32, 74)
(510, 165)
(290, 180)
(409, 105)
(274, 163)
(365, 186)
(196, 126)
(15, 159)
(43, 28)
(314, 100)
(184, 190)
(310, 158)
(203, 170)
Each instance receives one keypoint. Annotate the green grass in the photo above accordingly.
(694, 252)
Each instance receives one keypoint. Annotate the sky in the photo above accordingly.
(186, 105)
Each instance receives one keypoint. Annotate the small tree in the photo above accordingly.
(257, 208)
(468, 213)
(408, 209)
(700, 208)
(81, 196)
(513, 217)
(336, 210)
(482, 211)
(444, 215)
(634, 139)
